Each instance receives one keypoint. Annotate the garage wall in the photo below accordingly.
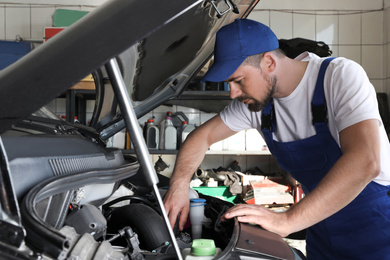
(310, 5)
(27, 21)
(355, 29)
(57, 2)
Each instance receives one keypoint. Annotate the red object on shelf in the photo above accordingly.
(51, 31)
(298, 193)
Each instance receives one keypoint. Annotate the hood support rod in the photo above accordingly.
(141, 149)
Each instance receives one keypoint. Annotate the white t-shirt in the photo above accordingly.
(350, 98)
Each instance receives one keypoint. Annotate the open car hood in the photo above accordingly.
(160, 45)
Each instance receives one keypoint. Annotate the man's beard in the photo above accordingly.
(255, 105)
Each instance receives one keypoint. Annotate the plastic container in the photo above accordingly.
(144, 130)
(162, 130)
(196, 216)
(120, 192)
(187, 129)
(201, 249)
(152, 135)
(193, 194)
(117, 140)
(170, 135)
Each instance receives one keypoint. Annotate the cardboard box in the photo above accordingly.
(246, 179)
(271, 191)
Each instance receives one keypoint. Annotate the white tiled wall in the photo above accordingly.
(356, 29)
(357, 34)
(91, 3)
(329, 5)
(40, 17)
(304, 25)
(26, 20)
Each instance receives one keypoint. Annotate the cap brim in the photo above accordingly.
(221, 71)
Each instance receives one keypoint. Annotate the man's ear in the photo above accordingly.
(268, 62)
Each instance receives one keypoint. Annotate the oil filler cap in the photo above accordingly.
(203, 247)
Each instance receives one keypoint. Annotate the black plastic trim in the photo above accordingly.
(50, 240)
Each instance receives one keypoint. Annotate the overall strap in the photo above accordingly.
(318, 105)
(268, 121)
(268, 124)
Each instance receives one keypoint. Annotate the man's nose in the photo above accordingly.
(234, 91)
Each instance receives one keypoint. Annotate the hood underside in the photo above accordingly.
(160, 45)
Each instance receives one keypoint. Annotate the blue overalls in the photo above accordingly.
(361, 230)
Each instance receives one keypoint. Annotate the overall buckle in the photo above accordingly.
(320, 114)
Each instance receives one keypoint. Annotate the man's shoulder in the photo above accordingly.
(236, 107)
(339, 66)
(312, 57)
(342, 67)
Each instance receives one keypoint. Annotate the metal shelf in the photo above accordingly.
(209, 152)
(204, 95)
(238, 152)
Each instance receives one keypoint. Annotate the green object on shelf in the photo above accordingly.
(221, 192)
(65, 18)
(203, 247)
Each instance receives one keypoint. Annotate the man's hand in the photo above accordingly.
(190, 156)
(276, 222)
(359, 165)
(176, 201)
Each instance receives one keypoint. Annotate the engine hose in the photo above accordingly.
(131, 197)
(146, 222)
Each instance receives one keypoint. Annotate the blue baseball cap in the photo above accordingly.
(234, 43)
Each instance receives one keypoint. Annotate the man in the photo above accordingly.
(320, 120)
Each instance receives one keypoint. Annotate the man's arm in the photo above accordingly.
(188, 160)
(359, 165)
